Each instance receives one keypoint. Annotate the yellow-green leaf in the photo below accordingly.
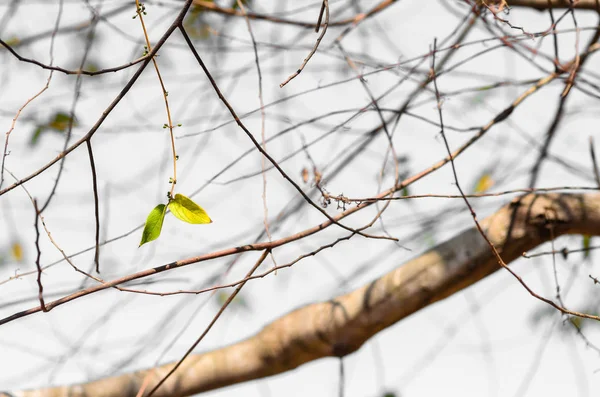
(36, 135)
(577, 321)
(13, 42)
(17, 251)
(195, 23)
(238, 301)
(61, 121)
(91, 67)
(484, 183)
(586, 245)
(154, 224)
(188, 211)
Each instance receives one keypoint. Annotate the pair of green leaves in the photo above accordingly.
(58, 122)
(182, 207)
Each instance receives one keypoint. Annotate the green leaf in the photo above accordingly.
(154, 224)
(188, 211)
(586, 245)
(237, 302)
(577, 321)
(91, 66)
(60, 122)
(35, 137)
(13, 41)
(195, 23)
(484, 183)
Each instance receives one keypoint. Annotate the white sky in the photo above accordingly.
(479, 342)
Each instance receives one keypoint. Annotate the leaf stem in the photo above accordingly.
(140, 11)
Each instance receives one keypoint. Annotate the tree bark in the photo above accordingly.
(343, 324)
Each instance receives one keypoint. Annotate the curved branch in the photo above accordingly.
(211, 6)
(543, 4)
(536, 4)
(112, 105)
(21, 58)
(342, 325)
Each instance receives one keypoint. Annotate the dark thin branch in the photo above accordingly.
(113, 104)
(554, 36)
(544, 4)
(307, 232)
(548, 222)
(257, 144)
(575, 65)
(37, 259)
(594, 162)
(535, 170)
(211, 6)
(75, 27)
(52, 42)
(314, 50)
(96, 205)
(342, 377)
(320, 17)
(69, 71)
(71, 123)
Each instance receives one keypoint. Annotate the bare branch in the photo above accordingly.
(340, 326)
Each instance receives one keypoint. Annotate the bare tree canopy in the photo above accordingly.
(197, 194)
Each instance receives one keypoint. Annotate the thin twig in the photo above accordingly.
(37, 259)
(503, 115)
(96, 204)
(554, 37)
(564, 252)
(312, 52)
(71, 121)
(210, 5)
(320, 19)
(594, 162)
(73, 28)
(14, 121)
(273, 269)
(112, 105)
(140, 11)
(573, 66)
(263, 159)
(64, 255)
(210, 325)
(255, 142)
(71, 71)
(495, 252)
(384, 123)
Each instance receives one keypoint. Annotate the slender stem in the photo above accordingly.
(140, 11)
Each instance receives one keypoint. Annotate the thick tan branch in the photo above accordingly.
(342, 325)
